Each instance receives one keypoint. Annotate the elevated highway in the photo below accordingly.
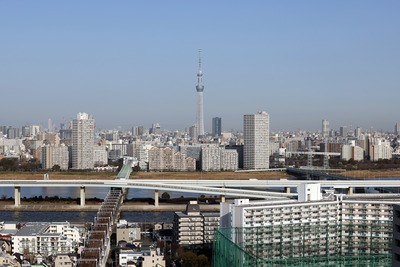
(251, 188)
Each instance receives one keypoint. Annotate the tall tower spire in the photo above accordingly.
(199, 89)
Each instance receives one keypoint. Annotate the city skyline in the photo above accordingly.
(132, 64)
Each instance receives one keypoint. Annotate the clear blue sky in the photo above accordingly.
(135, 62)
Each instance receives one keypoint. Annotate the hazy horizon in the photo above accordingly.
(131, 63)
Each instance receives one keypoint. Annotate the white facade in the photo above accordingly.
(152, 258)
(82, 142)
(345, 221)
(352, 152)
(256, 141)
(309, 192)
(129, 256)
(211, 158)
(34, 130)
(100, 155)
(229, 160)
(380, 150)
(325, 128)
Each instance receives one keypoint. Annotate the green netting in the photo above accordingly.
(361, 244)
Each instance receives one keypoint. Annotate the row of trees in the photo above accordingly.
(15, 164)
(336, 162)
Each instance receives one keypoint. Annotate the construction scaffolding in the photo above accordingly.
(331, 244)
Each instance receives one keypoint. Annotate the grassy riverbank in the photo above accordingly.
(144, 175)
(372, 173)
(381, 173)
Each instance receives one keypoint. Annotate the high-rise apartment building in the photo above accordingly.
(35, 129)
(138, 131)
(357, 132)
(313, 229)
(155, 129)
(344, 131)
(256, 141)
(193, 132)
(82, 142)
(325, 128)
(26, 131)
(216, 126)
(397, 129)
(50, 126)
(52, 155)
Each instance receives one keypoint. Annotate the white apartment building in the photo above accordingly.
(83, 142)
(152, 258)
(351, 151)
(46, 238)
(379, 150)
(325, 128)
(311, 225)
(127, 256)
(256, 141)
(100, 155)
(211, 158)
(54, 155)
(229, 160)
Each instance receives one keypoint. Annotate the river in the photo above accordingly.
(82, 216)
(74, 192)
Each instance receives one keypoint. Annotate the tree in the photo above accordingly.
(56, 168)
(165, 195)
(189, 259)
(136, 168)
(8, 164)
(202, 260)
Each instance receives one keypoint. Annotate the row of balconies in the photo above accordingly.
(190, 224)
(191, 229)
(186, 238)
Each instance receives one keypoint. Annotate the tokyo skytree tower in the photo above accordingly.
(199, 89)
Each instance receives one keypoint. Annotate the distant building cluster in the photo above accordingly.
(78, 145)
